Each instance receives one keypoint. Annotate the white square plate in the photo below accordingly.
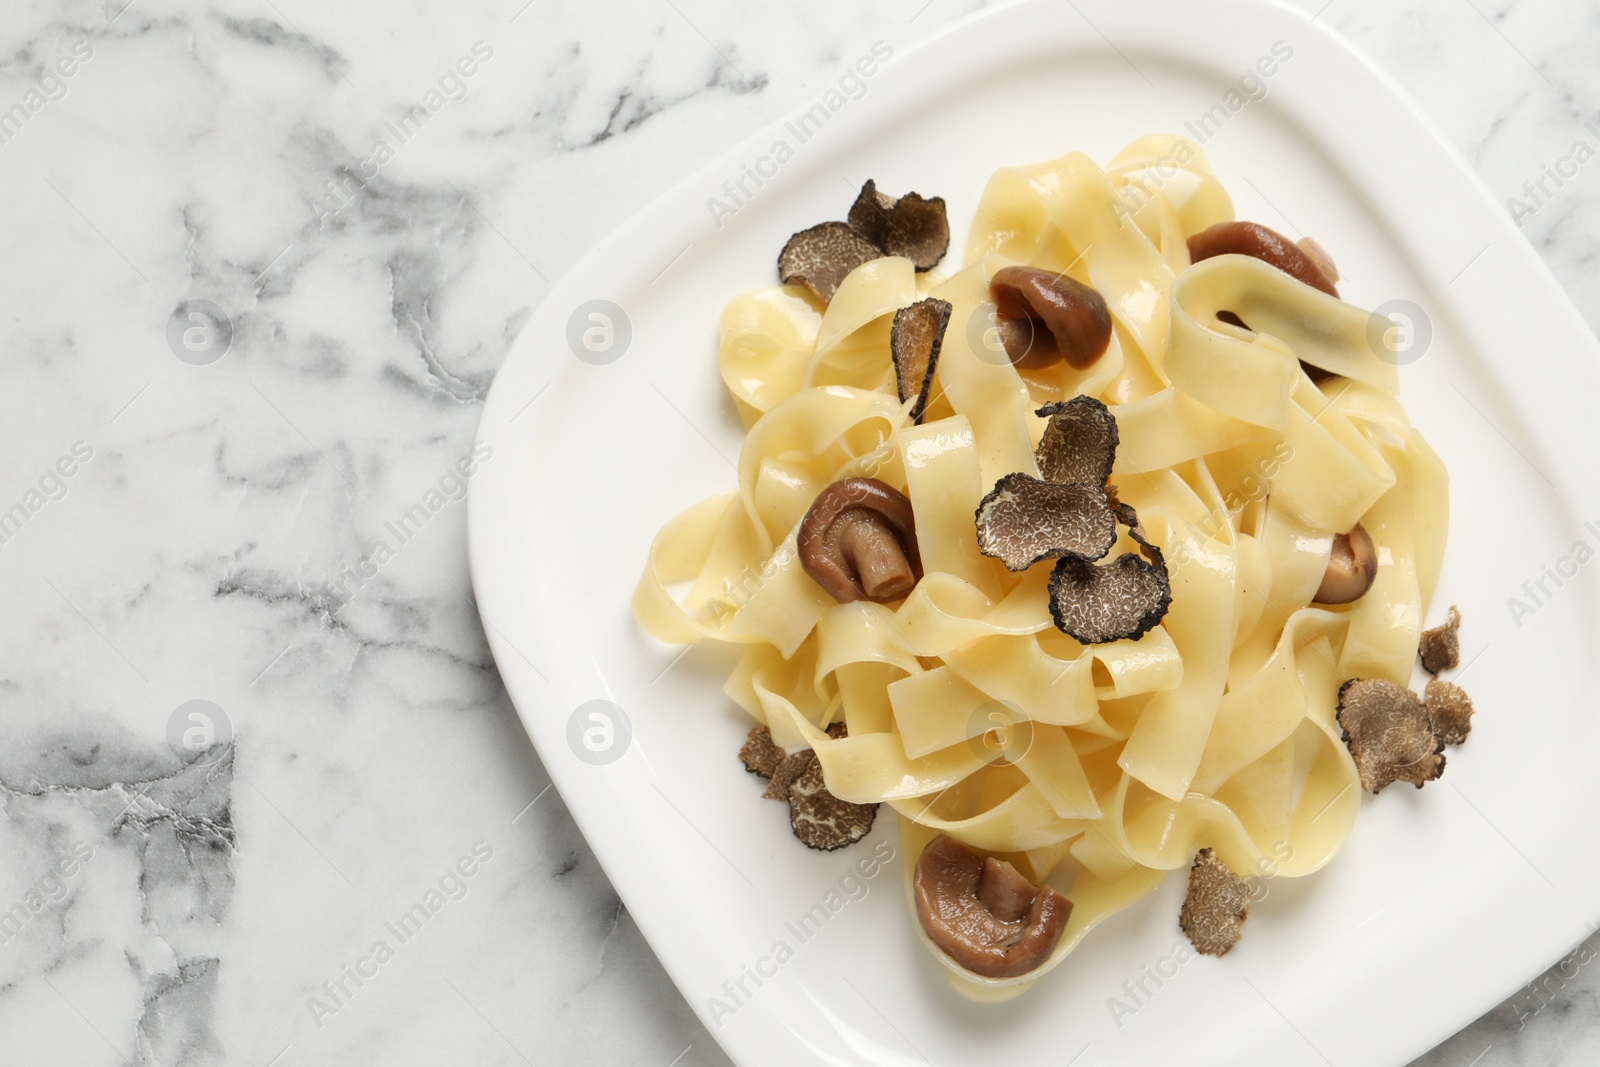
(1443, 901)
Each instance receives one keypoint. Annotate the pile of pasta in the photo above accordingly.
(1096, 769)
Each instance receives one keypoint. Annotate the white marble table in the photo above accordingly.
(214, 538)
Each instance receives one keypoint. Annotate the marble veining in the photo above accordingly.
(374, 224)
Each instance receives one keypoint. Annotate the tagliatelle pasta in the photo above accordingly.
(1098, 768)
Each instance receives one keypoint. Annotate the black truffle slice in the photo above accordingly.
(1079, 443)
(819, 258)
(760, 754)
(1440, 647)
(1024, 520)
(838, 730)
(905, 226)
(1130, 518)
(821, 820)
(1216, 906)
(1449, 711)
(1387, 731)
(914, 342)
(1120, 600)
(790, 768)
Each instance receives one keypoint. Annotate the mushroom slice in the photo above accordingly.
(821, 820)
(1387, 731)
(819, 258)
(1269, 246)
(1449, 711)
(1024, 520)
(1440, 647)
(1352, 568)
(902, 226)
(859, 541)
(1047, 317)
(914, 342)
(1319, 255)
(1216, 906)
(760, 754)
(1116, 601)
(983, 913)
(1079, 442)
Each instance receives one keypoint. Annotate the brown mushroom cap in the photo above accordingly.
(1387, 731)
(859, 541)
(1319, 255)
(1024, 520)
(1352, 568)
(914, 343)
(1046, 317)
(1440, 647)
(819, 258)
(1079, 442)
(983, 913)
(1269, 246)
(906, 226)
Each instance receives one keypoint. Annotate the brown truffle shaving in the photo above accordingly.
(1440, 647)
(1216, 907)
(790, 768)
(1116, 601)
(760, 754)
(1449, 711)
(902, 226)
(821, 820)
(982, 913)
(1024, 520)
(914, 342)
(819, 258)
(1387, 730)
(1079, 443)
